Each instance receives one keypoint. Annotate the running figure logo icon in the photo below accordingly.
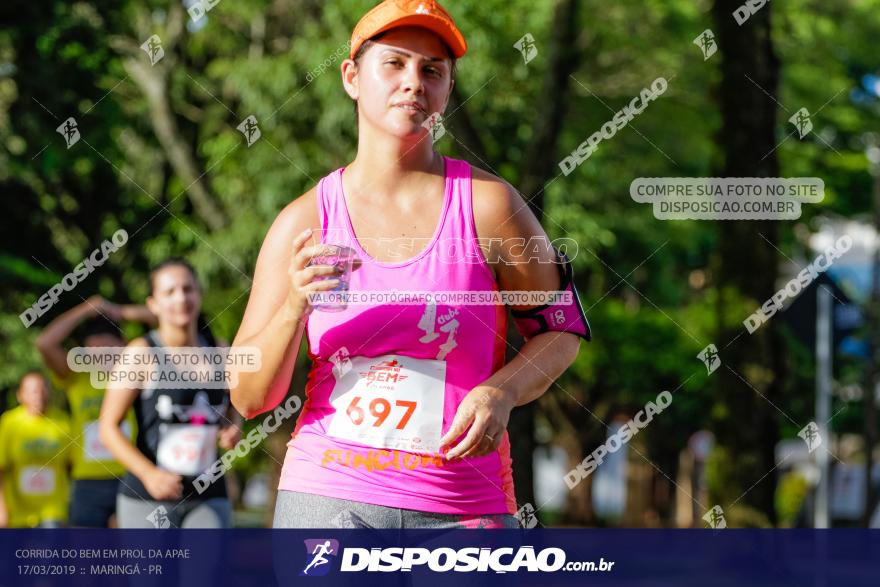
(706, 42)
(153, 48)
(70, 131)
(250, 130)
(341, 360)
(318, 550)
(526, 46)
(810, 434)
(710, 358)
(526, 516)
(801, 121)
(715, 518)
(434, 124)
(159, 518)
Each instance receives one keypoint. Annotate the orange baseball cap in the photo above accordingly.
(396, 13)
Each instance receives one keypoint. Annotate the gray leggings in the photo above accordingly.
(305, 510)
(133, 512)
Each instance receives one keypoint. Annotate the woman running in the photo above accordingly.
(178, 426)
(407, 405)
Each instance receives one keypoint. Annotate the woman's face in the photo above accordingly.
(33, 393)
(402, 79)
(176, 299)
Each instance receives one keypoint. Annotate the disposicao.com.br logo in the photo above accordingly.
(443, 559)
(318, 563)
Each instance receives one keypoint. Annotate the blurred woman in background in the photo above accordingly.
(179, 426)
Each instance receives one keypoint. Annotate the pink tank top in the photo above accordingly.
(386, 380)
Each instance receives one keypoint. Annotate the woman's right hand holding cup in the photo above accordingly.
(307, 279)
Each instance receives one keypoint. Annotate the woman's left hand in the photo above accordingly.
(229, 436)
(486, 410)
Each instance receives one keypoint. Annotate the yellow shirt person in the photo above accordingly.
(34, 459)
(92, 324)
(91, 459)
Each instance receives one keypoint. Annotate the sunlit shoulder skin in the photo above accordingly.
(273, 322)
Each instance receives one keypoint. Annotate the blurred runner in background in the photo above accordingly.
(34, 459)
(179, 427)
(95, 473)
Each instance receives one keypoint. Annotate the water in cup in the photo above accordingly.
(336, 299)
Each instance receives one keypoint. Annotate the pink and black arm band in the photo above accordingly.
(559, 316)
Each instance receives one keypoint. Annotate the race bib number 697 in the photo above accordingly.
(390, 401)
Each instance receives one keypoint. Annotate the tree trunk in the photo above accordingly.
(747, 261)
(539, 167)
(540, 163)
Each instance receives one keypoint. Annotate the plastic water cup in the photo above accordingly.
(336, 299)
